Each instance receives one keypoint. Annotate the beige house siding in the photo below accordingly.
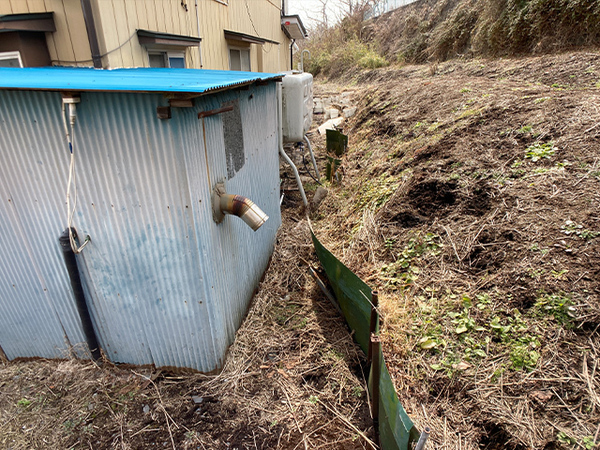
(117, 21)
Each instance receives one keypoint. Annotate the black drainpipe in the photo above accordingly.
(88, 18)
(292, 54)
(82, 308)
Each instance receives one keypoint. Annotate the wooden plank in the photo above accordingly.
(179, 103)
(150, 8)
(77, 31)
(138, 53)
(107, 28)
(5, 8)
(35, 6)
(214, 112)
(122, 33)
(19, 6)
(167, 17)
(62, 38)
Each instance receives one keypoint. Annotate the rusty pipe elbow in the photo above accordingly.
(237, 205)
(244, 208)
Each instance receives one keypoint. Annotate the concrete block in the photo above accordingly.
(349, 112)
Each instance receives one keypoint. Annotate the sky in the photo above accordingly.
(311, 9)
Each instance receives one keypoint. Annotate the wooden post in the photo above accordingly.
(374, 321)
(375, 374)
(375, 347)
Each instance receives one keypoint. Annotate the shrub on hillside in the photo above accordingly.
(435, 30)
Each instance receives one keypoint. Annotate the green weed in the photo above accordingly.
(538, 151)
(572, 228)
(23, 403)
(525, 129)
(559, 306)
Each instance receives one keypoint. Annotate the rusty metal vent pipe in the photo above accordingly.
(244, 208)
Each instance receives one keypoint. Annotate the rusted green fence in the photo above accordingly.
(358, 305)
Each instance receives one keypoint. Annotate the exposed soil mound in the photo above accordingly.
(471, 202)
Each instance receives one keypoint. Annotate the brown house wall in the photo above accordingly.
(32, 46)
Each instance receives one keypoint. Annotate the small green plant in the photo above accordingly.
(564, 438)
(357, 391)
(389, 243)
(23, 403)
(572, 228)
(313, 399)
(541, 100)
(190, 435)
(538, 151)
(463, 320)
(589, 442)
(522, 355)
(465, 90)
(402, 272)
(417, 247)
(559, 306)
(525, 129)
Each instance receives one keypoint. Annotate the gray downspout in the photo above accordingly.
(88, 18)
(82, 307)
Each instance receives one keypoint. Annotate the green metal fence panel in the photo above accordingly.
(336, 142)
(352, 294)
(396, 430)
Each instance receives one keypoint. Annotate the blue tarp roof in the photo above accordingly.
(127, 80)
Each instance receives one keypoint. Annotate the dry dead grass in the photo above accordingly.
(446, 154)
(292, 380)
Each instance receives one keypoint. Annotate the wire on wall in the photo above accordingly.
(69, 129)
(101, 56)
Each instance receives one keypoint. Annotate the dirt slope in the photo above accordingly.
(470, 200)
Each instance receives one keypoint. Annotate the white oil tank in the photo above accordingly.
(297, 105)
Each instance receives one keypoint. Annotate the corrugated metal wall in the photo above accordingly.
(36, 303)
(169, 285)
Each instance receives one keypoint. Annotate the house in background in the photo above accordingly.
(246, 35)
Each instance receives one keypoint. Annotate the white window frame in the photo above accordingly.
(166, 55)
(240, 49)
(12, 55)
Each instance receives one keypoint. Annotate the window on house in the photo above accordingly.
(174, 60)
(10, 59)
(239, 59)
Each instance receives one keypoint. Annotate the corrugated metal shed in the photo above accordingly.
(166, 285)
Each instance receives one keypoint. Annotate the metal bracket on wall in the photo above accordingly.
(163, 112)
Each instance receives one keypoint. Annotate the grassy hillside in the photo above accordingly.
(470, 200)
(437, 30)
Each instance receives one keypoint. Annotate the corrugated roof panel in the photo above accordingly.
(126, 80)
